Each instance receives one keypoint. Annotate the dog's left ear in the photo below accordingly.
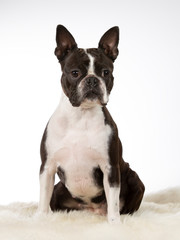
(109, 43)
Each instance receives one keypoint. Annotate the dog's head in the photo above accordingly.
(87, 77)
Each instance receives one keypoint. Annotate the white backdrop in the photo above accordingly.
(145, 101)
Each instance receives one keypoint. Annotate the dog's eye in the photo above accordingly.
(105, 73)
(75, 73)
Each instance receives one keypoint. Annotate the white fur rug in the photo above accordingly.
(157, 219)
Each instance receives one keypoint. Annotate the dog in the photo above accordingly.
(81, 142)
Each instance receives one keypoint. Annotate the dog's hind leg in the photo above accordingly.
(62, 199)
(132, 191)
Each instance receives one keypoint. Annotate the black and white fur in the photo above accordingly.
(81, 142)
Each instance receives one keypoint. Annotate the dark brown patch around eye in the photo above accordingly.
(75, 73)
(105, 73)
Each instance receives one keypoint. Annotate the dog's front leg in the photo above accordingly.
(112, 190)
(46, 188)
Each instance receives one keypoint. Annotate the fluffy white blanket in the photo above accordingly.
(158, 218)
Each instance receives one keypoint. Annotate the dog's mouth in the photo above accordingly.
(91, 98)
(88, 98)
(91, 94)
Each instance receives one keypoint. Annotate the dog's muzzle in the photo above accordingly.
(89, 89)
(92, 91)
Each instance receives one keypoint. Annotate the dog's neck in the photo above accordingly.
(78, 117)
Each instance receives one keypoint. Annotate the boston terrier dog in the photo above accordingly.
(81, 142)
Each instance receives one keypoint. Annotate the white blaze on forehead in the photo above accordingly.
(91, 64)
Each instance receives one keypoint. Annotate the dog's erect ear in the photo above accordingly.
(65, 42)
(109, 43)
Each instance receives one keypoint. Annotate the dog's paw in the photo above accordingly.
(114, 219)
(41, 214)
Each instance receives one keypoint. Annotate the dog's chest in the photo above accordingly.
(78, 143)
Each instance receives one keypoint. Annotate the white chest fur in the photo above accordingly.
(77, 141)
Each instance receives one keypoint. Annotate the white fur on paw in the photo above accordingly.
(114, 219)
(40, 214)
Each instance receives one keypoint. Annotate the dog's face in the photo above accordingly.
(87, 77)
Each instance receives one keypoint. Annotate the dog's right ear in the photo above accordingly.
(65, 42)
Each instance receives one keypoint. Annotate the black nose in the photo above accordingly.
(91, 81)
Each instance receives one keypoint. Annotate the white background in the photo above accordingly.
(145, 101)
